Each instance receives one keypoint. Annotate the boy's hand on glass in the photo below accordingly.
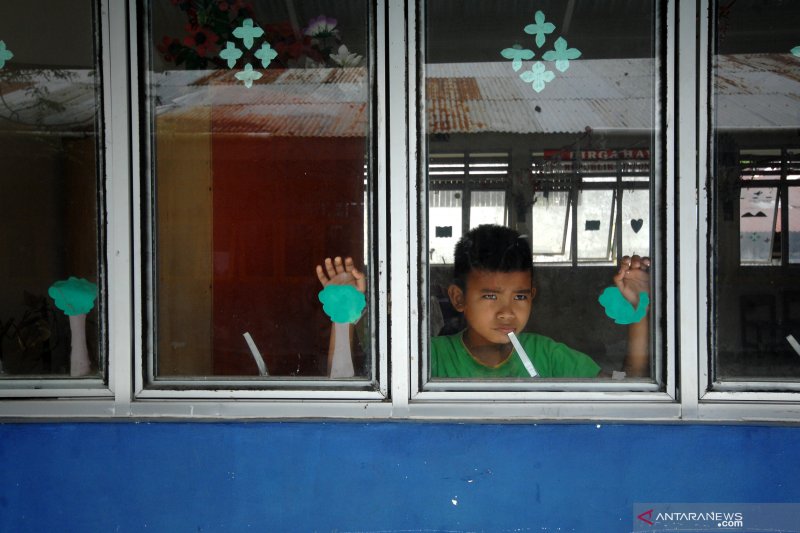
(338, 272)
(633, 278)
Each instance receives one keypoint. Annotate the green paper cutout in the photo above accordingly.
(266, 54)
(248, 75)
(231, 54)
(5, 54)
(620, 309)
(562, 54)
(342, 303)
(517, 54)
(247, 33)
(540, 29)
(795, 51)
(539, 76)
(74, 296)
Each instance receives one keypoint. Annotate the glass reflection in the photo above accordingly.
(261, 165)
(562, 96)
(755, 155)
(49, 194)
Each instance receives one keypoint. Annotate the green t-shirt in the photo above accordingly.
(450, 359)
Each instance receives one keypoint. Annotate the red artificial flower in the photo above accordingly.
(203, 40)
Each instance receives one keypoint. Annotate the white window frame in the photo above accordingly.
(399, 246)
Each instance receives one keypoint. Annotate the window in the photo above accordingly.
(189, 163)
(755, 197)
(543, 118)
(259, 165)
(52, 308)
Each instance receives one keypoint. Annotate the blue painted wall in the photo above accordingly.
(342, 476)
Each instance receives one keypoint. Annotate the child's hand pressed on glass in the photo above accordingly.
(633, 278)
(338, 272)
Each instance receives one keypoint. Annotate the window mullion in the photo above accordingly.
(118, 235)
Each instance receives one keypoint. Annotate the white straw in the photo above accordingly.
(526, 361)
(262, 366)
(794, 343)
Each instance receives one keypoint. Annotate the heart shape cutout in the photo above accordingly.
(636, 224)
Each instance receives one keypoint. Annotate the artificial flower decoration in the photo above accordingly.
(203, 40)
(345, 58)
(322, 27)
(517, 54)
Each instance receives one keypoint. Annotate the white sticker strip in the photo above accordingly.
(526, 361)
(262, 366)
(794, 343)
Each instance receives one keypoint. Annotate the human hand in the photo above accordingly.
(338, 272)
(633, 278)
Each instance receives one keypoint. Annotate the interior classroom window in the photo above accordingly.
(755, 200)
(51, 310)
(543, 116)
(259, 167)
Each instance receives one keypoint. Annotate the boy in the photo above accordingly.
(493, 287)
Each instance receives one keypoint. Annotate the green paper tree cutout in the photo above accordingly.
(5, 54)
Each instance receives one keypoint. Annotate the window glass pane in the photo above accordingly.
(756, 73)
(50, 310)
(540, 114)
(487, 207)
(551, 226)
(794, 224)
(260, 117)
(636, 222)
(595, 225)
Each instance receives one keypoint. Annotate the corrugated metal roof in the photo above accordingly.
(753, 92)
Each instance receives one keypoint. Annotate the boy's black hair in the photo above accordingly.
(492, 249)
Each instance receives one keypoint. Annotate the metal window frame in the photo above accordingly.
(736, 400)
(399, 233)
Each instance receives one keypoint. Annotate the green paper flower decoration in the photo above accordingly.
(540, 29)
(517, 54)
(562, 54)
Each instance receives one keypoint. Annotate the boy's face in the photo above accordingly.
(494, 304)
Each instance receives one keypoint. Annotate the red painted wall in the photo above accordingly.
(281, 205)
